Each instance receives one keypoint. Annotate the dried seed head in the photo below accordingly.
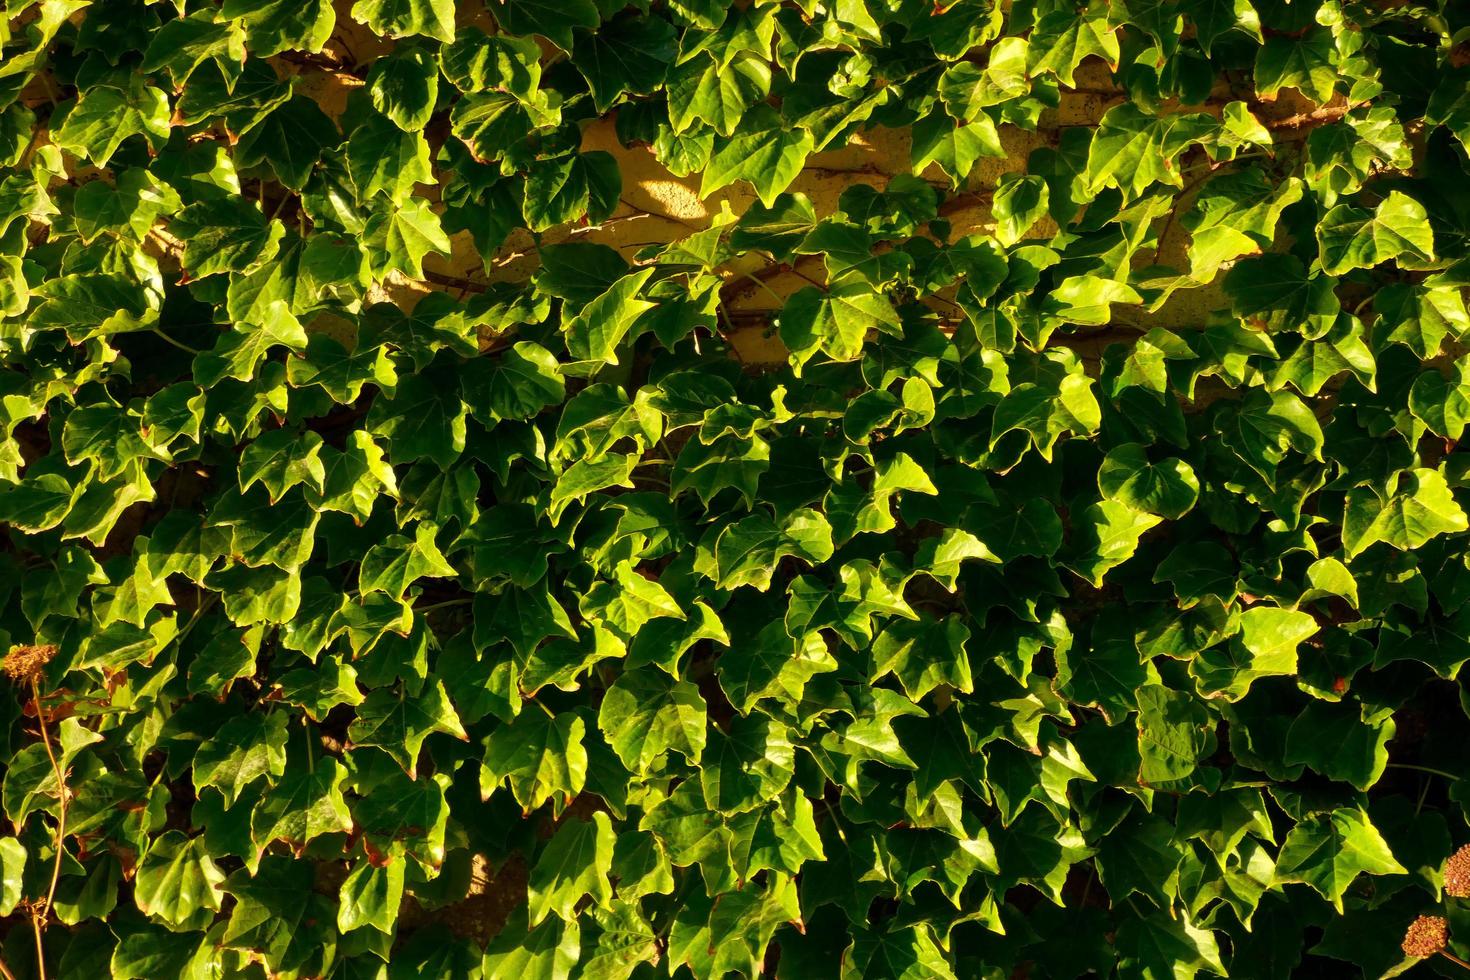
(24, 664)
(1426, 935)
(1457, 873)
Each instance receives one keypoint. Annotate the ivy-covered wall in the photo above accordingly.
(822, 488)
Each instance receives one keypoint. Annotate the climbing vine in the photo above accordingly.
(1044, 554)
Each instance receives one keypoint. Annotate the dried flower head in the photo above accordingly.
(23, 664)
(1426, 935)
(1457, 873)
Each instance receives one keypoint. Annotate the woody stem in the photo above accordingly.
(38, 916)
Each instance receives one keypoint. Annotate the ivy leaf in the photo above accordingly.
(273, 26)
(1168, 489)
(1174, 733)
(1063, 39)
(398, 723)
(403, 18)
(382, 157)
(597, 330)
(404, 87)
(767, 153)
(1108, 534)
(543, 758)
(1132, 149)
(835, 321)
(290, 139)
(1327, 851)
(177, 878)
(371, 895)
(98, 123)
(1162, 946)
(1340, 741)
(627, 55)
(1350, 238)
(302, 806)
(247, 748)
(574, 864)
(923, 654)
(646, 713)
(1442, 403)
(552, 19)
(701, 91)
(398, 562)
(1307, 63)
(952, 146)
(398, 238)
(1266, 646)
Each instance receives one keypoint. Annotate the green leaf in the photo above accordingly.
(1168, 489)
(1132, 149)
(1327, 851)
(248, 747)
(627, 55)
(552, 19)
(1442, 403)
(371, 895)
(404, 18)
(574, 864)
(98, 123)
(398, 723)
(1340, 741)
(396, 563)
(1174, 733)
(1266, 646)
(835, 321)
(701, 91)
(923, 654)
(382, 157)
(1020, 201)
(404, 86)
(1306, 62)
(1161, 947)
(1063, 39)
(1107, 535)
(597, 330)
(290, 139)
(952, 146)
(542, 758)
(646, 713)
(273, 26)
(398, 238)
(1350, 238)
(302, 806)
(177, 878)
(766, 153)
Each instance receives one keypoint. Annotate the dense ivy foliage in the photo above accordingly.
(1087, 593)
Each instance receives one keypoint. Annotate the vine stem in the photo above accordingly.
(181, 346)
(443, 605)
(1428, 769)
(5, 971)
(1454, 959)
(38, 915)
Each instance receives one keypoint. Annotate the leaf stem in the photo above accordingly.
(181, 346)
(1428, 769)
(447, 603)
(761, 283)
(1454, 959)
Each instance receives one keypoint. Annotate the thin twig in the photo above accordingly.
(38, 915)
(1432, 772)
(181, 346)
(1454, 959)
